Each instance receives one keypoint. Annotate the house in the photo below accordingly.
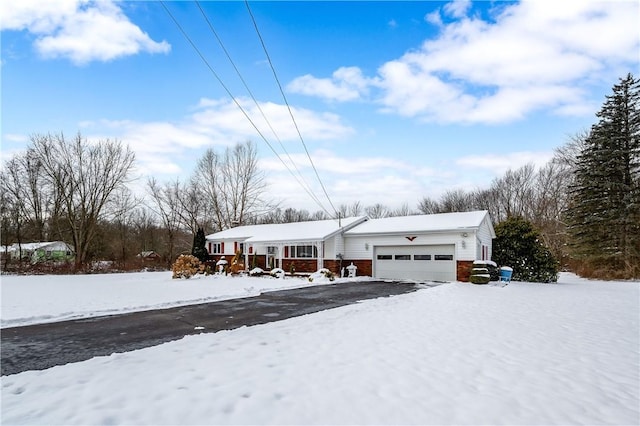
(41, 251)
(148, 256)
(437, 247)
(305, 246)
(434, 247)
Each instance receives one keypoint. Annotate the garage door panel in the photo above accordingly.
(420, 263)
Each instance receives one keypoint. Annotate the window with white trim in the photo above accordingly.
(303, 252)
(216, 248)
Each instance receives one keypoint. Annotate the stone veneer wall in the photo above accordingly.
(464, 270)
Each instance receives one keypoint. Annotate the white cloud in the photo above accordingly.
(499, 163)
(434, 18)
(457, 8)
(346, 84)
(348, 179)
(80, 30)
(528, 57)
(10, 137)
(162, 146)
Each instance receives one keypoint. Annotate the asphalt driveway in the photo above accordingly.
(37, 347)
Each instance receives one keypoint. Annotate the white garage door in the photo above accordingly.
(419, 263)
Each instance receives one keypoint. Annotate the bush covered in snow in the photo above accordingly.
(490, 266)
(186, 266)
(277, 273)
(479, 275)
(256, 272)
(322, 275)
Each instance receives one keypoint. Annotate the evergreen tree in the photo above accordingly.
(199, 249)
(603, 217)
(519, 245)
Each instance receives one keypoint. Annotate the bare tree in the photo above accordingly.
(84, 176)
(145, 228)
(192, 205)
(568, 153)
(23, 180)
(343, 210)
(429, 206)
(356, 209)
(166, 205)
(403, 210)
(232, 185)
(377, 211)
(319, 215)
(122, 214)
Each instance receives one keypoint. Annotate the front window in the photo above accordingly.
(216, 248)
(307, 252)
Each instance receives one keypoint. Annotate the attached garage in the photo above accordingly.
(435, 247)
(432, 262)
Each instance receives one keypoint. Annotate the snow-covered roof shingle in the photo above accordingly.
(421, 223)
(287, 232)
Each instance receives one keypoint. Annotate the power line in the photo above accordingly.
(233, 97)
(264, 47)
(302, 181)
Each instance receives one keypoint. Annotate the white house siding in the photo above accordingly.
(356, 246)
(468, 250)
(335, 246)
(485, 237)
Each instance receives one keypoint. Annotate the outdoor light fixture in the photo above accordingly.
(465, 235)
(366, 246)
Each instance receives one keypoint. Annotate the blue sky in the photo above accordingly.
(394, 100)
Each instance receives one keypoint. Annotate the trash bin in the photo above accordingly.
(505, 274)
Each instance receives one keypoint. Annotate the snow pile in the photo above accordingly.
(565, 353)
(322, 276)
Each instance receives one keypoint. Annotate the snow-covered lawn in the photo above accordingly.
(37, 298)
(565, 353)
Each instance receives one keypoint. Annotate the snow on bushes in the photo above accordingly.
(277, 273)
(256, 272)
(322, 275)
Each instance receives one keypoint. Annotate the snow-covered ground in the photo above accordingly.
(565, 353)
(37, 298)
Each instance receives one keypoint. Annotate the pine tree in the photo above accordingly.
(199, 249)
(519, 245)
(603, 217)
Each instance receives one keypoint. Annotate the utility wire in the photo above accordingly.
(264, 47)
(302, 181)
(227, 90)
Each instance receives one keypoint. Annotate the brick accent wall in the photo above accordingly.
(464, 270)
(301, 265)
(365, 266)
(261, 262)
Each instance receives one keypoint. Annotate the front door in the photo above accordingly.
(272, 257)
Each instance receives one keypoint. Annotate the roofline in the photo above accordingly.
(422, 231)
(340, 230)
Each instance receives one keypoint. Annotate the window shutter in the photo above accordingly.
(222, 247)
(235, 247)
(286, 251)
(210, 248)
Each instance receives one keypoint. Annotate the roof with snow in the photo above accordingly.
(422, 223)
(52, 245)
(318, 230)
